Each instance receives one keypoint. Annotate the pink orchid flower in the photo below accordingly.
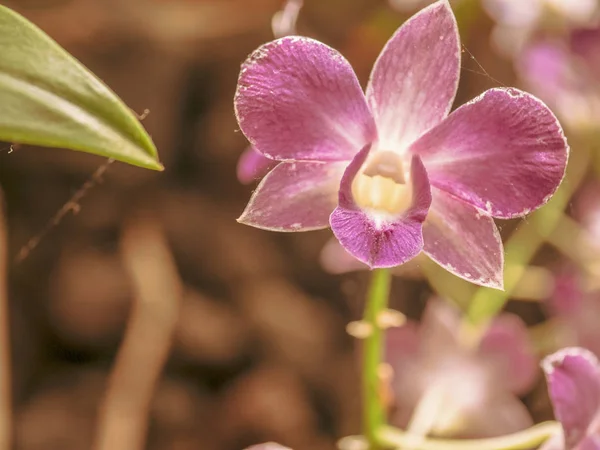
(564, 72)
(573, 376)
(449, 383)
(519, 22)
(390, 171)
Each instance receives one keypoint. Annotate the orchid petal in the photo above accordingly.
(545, 66)
(463, 240)
(585, 43)
(298, 99)
(503, 152)
(253, 165)
(440, 324)
(336, 260)
(500, 413)
(295, 196)
(573, 376)
(506, 342)
(381, 243)
(568, 297)
(589, 443)
(415, 78)
(403, 354)
(402, 344)
(514, 13)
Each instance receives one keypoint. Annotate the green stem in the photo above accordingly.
(373, 410)
(526, 439)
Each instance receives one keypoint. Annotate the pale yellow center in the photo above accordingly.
(382, 184)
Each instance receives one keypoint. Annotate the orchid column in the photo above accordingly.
(390, 171)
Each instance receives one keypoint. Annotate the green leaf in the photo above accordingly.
(49, 98)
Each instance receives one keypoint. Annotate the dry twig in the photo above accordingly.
(157, 295)
(71, 205)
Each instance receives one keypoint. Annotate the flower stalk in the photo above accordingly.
(373, 409)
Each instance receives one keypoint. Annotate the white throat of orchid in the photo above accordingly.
(383, 186)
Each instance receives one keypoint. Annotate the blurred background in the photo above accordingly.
(237, 335)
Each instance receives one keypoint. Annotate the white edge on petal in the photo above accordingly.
(446, 4)
(489, 283)
(551, 362)
(567, 148)
(254, 57)
(517, 93)
(245, 220)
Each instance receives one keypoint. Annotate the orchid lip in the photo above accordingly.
(382, 187)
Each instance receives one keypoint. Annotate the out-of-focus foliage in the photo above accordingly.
(48, 98)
